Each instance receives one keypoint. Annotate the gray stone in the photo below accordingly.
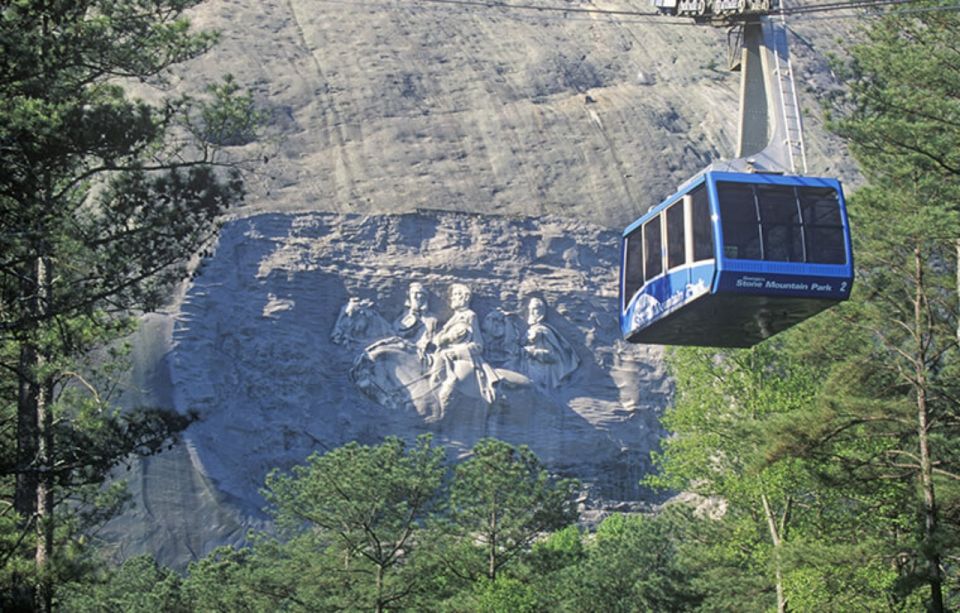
(264, 344)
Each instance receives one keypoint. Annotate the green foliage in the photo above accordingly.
(726, 403)
(229, 580)
(374, 527)
(228, 118)
(634, 563)
(502, 595)
(102, 199)
(354, 513)
(891, 422)
(501, 499)
(901, 112)
(559, 550)
(139, 585)
(92, 439)
(730, 411)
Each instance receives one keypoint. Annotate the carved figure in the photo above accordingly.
(501, 338)
(416, 325)
(459, 352)
(420, 365)
(547, 357)
(392, 371)
(358, 322)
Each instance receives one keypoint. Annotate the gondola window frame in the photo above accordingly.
(633, 264)
(749, 211)
(653, 249)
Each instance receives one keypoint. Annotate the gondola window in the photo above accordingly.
(653, 248)
(740, 221)
(824, 229)
(633, 255)
(702, 228)
(676, 256)
(781, 223)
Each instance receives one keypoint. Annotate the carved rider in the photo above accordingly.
(459, 349)
(547, 357)
(415, 325)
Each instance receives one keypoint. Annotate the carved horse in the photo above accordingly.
(359, 322)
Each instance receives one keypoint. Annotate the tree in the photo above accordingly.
(379, 527)
(726, 403)
(635, 563)
(139, 585)
(502, 498)
(894, 414)
(887, 429)
(723, 403)
(229, 580)
(102, 198)
(351, 518)
(901, 112)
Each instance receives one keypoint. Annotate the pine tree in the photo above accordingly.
(352, 520)
(501, 499)
(102, 198)
(897, 387)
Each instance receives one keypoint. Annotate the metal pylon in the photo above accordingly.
(770, 135)
(789, 103)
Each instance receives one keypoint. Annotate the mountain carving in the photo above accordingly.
(420, 143)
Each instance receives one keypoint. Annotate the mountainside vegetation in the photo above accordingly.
(103, 198)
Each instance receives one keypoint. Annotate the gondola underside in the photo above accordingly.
(729, 320)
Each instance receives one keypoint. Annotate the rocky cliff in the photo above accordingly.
(270, 341)
(413, 142)
(389, 106)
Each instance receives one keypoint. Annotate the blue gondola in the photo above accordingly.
(733, 258)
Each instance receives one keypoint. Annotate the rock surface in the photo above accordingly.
(378, 106)
(417, 141)
(252, 352)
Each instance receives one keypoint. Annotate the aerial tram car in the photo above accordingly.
(747, 247)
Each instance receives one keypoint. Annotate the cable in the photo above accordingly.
(658, 18)
(640, 17)
(839, 6)
(544, 12)
(929, 9)
(534, 7)
(812, 8)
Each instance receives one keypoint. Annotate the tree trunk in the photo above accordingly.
(492, 548)
(957, 247)
(25, 494)
(777, 540)
(929, 505)
(45, 519)
(33, 494)
(923, 439)
(43, 483)
(25, 488)
(379, 607)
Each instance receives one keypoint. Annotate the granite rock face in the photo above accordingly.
(252, 349)
(526, 127)
(388, 107)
